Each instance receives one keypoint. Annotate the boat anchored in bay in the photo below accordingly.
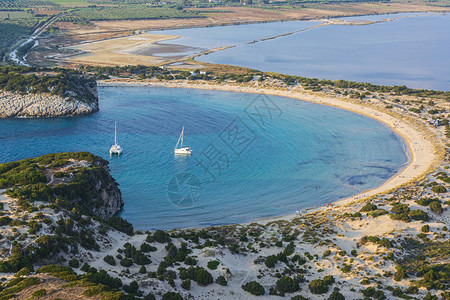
(115, 149)
(182, 150)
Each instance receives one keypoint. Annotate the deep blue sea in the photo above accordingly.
(253, 156)
(411, 50)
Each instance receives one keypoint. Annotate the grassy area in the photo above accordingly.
(13, 29)
(14, 14)
(135, 12)
(11, 4)
(71, 2)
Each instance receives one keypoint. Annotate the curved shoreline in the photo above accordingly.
(423, 146)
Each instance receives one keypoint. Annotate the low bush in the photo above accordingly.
(221, 280)
(418, 214)
(368, 207)
(212, 265)
(254, 288)
(39, 293)
(186, 284)
(109, 259)
(74, 263)
(436, 206)
(287, 285)
(439, 189)
(318, 286)
(126, 262)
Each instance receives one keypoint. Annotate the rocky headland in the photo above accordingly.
(14, 105)
(36, 93)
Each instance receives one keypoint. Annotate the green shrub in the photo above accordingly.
(329, 280)
(270, 261)
(400, 217)
(385, 243)
(368, 207)
(149, 297)
(213, 264)
(171, 296)
(254, 288)
(400, 274)
(425, 201)
(203, 277)
(318, 286)
(22, 272)
(400, 209)
(326, 253)
(436, 207)
(377, 213)
(357, 215)
(74, 263)
(85, 267)
(126, 262)
(373, 293)
(354, 252)
(186, 284)
(425, 228)
(39, 293)
(221, 280)
(109, 259)
(418, 215)
(120, 224)
(287, 285)
(439, 189)
(161, 236)
(335, 295)
(147, 248)
(299, 297)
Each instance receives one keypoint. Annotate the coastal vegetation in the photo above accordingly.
(291, 257)
(65, 83)
(358, 90)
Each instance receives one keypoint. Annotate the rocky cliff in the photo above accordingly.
(45, 105)
(79, 181)
(35, 93)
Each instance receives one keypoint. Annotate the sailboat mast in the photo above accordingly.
(182, 134)
(115, 133)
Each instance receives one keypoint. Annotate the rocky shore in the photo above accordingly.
(13, 105)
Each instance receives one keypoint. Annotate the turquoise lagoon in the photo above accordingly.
(253, 156)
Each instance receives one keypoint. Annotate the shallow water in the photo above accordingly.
(259, 165)
(411, 50)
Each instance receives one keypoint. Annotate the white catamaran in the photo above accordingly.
(115, 149)
(182, 150)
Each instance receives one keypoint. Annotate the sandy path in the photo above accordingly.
(422, 143)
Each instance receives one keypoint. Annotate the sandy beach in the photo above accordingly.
(423, 147)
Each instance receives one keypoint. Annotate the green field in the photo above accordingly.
(129, 12)
(12, 4)
(71, 2)
(12, 15)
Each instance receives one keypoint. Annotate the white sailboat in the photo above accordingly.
(115, 149)
(182, 150)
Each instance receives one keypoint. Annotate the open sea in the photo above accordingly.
(254, 156)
